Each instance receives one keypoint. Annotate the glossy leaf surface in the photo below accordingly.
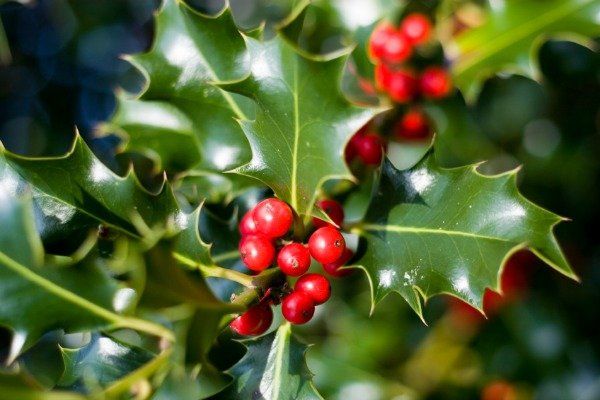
(431, 230)
(36, 298)
(101, 362)
(273, 368)
(78, 183)
(302, 124)
(182, 120)
(505, 39)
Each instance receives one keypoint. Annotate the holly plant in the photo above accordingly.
(274, 173)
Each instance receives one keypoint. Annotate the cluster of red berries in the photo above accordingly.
(263, 230)
(391, 49)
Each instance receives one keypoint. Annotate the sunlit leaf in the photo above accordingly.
(273, 368)
(431, 230)
(303, 122)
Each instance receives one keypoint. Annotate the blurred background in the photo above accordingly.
(60, 66)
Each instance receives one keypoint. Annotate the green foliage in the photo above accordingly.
(273, 368)
(431, 230)
(222, 111)
(100, 362)
(183, 121)
(303, 122)
(18, 387)
(37, 298)
(78, 182)
(506, 37)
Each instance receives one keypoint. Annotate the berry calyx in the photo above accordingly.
(397, 48)
(401, 85)
(435, 83)
(255, 321)
(333, 209)
(298, 308)
(294, 259)
(413, 125)
(370, 149)
(247, 225)
(273, 217)
(326, 244)
(416, 27)
(257, 252)
(314, 285)
(335, 268)
(379, 39)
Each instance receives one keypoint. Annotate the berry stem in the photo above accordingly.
(272, 277)
(214, 271)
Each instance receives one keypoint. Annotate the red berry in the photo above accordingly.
(382, 76)
(416, 28)
(297, 307)
(257, 252)
(370, 149)
(314, 285)
(397, 48)
(326, 244)
(402, 86)
(294, 259)
(413, 125)
(335, 268)
(499, 390)
(378, 40)
(247, 225)
(435, 83)
(350, 151)
(273, 217)
(255, 321)
(333, 209)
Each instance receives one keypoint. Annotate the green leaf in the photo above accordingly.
(37, 298)
(511, 29)
(13, 386)
(79, 183)
(101, 362)
(182, 120)
(174, 277)
(431, 230)
(191, 385)
(274, 368)
(303, 121)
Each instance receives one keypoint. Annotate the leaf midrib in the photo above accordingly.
(512, 36)
(280, 344)
(70, 297)
(294, 194)
(419, 230)
(53, 288)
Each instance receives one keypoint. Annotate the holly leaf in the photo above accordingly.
(431, 230)
(100, 363)
(37, 298)
(16, 386)
(303, 120)
(182, 120)
(274, 367)
(78, 183)
(505, 39)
